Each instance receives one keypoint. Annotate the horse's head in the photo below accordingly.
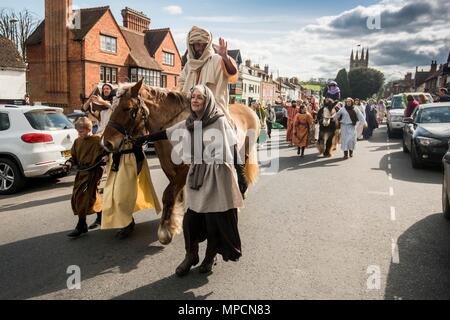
(129, 118)
(328, 111)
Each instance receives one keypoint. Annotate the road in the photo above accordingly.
(367, 228)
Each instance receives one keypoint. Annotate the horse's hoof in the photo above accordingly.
(165, 237)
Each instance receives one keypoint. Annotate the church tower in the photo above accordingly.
(357, 62)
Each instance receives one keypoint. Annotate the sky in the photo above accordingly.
(305, 39)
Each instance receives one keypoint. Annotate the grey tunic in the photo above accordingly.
(348, 130)
(220, 190)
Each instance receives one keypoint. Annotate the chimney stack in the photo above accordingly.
(135, 20)
(433, 66)
(248, 63)
(266, 69)
(57, 14)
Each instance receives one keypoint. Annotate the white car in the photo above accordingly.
(34, 141)
(396, 111)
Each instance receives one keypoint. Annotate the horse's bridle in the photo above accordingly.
(128, 136)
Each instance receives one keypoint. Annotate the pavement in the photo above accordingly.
(367, 228)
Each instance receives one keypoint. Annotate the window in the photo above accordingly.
(48, 120)
(108, 75)
(168, 58)
(164, 81)
(151, 77)
(108, 44)
(4, 122)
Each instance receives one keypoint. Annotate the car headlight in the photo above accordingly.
(427, 141)
(397, 119)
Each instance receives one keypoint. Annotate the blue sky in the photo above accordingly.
(302, 38)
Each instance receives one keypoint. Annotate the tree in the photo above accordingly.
(365, 82)
(17, 27)
(342, 81)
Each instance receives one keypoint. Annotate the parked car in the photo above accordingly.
(279, 113)
(396, 111)
(427, 133)
(34, 142)
(446, 185)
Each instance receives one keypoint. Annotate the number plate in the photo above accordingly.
(67, 154)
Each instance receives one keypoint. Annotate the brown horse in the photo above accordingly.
(141, 108)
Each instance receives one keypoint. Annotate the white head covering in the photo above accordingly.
(199, 35)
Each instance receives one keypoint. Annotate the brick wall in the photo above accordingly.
(172, 72)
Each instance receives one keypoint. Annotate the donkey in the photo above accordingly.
(141, 109)
(329, 133)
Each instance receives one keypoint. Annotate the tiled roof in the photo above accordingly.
(89, 17)
(9, 55)
(138, 51)
(154, 39)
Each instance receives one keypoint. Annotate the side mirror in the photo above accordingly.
(408, 120)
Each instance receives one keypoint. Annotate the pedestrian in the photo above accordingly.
(412, 105)
(87, 156)
(271, 119)
(292, 112)
(206, 67)
(381, 111)
(360, 125)
(285, 116)
(103, 103)
(214, 187)
(443, 95)
(371, 120)
(423, 99)
(349, 116)
(303, 127)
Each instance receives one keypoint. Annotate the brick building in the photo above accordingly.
(66, 63)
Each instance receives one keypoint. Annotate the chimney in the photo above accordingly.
(135, 20)
(266, 69)
(57, 14)
(248, 63)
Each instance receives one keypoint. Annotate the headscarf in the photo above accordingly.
(351, 111)
(109, 98)
(211, 113)
(199, 35)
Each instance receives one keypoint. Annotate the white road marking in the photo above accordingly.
(390, 176)
(390, 166)
(393, 214)
(389, 158)
(391, 191)
(379, 193)
(394, 251)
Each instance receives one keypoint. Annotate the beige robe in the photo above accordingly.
(126, 193)
(220, 191)
(214, 75)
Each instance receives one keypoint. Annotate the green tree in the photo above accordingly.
(342, 81)
(365, 82)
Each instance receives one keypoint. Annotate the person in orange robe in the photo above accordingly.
(292, 111)
(302, 126)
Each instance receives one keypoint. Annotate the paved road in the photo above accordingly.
(367, 228)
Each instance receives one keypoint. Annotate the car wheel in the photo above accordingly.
(415, 161)
(11, 179)
(445, 201)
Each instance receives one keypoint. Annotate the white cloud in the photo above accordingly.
(173, 10)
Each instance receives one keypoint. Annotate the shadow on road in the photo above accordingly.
(170, 288)
(402, 169)
(35, 203)
(424, 269)
(38, 266)
(42, 184)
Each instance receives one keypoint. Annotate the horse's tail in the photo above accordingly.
(252, 166)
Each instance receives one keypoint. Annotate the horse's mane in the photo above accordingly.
(172, 100)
